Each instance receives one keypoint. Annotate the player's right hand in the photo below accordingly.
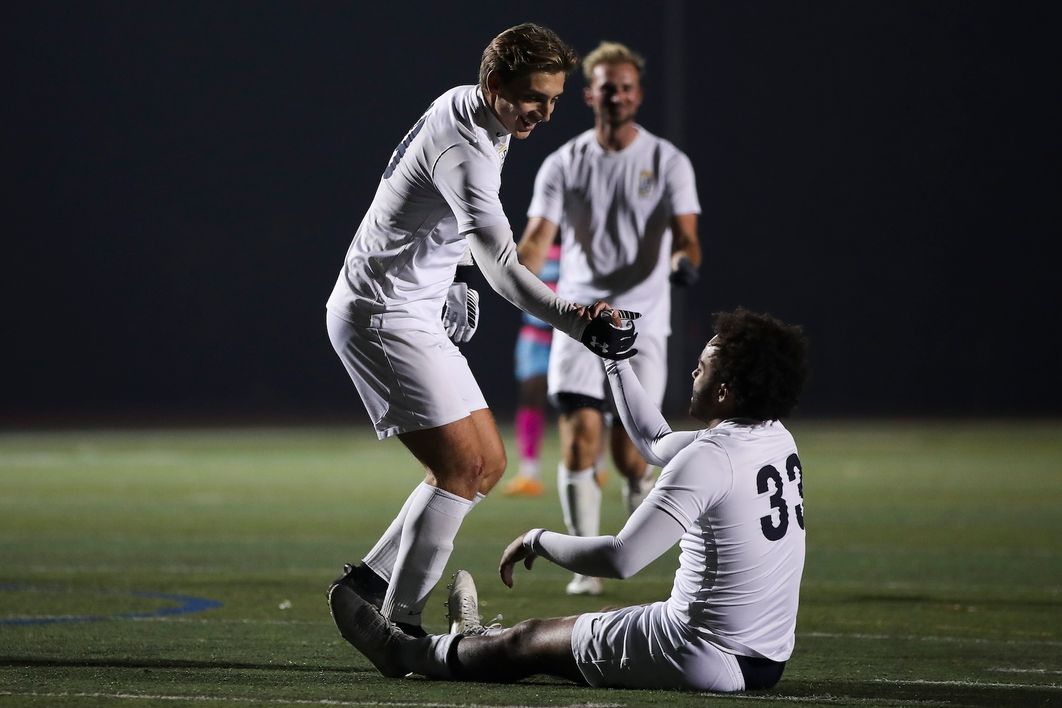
(513, 554)
(611, 334)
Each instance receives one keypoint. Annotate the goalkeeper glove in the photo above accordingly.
(685, 273)
(460, 312)
(609, 341)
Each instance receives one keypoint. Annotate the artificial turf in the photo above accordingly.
(933, 577)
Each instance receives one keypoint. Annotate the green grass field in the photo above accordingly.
(933, 577)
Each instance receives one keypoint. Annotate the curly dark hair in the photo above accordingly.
(525, 49)
(763, 360)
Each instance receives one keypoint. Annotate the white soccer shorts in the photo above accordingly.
(575, 369)
(408, 379)
(641, 647)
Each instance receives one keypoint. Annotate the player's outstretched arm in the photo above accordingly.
(535, 243)
(648, 534)
(645, 425)
(495, 254)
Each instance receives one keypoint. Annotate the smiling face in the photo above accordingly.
(614, 93)
(525, 101)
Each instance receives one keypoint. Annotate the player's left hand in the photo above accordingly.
(460, 312)
(514, 553)
(684, 274)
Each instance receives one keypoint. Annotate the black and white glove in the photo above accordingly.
(609, 341)
(685, 273)
(460, 312)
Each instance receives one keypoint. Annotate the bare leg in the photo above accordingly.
(535, 646)
(580, 437)
(461, 459)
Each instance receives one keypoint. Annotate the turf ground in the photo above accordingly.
(189, 568)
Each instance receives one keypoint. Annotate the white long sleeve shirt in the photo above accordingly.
(437, 200)
(732, 497)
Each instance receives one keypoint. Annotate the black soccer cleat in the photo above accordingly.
(369, 586)
(364, 581)
(361, 624)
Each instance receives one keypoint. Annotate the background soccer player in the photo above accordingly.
(436, 202)
(624, 202)
(531, 364)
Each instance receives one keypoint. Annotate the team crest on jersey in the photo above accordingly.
(503, 150)
(646, 182)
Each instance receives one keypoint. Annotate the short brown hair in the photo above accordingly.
(525, 49)
(612, 53)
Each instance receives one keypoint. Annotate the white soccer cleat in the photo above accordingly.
(584, 585)
(462, 604)
(462, 607)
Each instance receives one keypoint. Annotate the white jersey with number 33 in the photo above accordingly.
(738, 491)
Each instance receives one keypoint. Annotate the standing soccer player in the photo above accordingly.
(730, 495)
(625, 204)
(438, 202)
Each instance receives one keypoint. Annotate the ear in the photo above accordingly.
(588, 96)
(493, 81)
(722, 393)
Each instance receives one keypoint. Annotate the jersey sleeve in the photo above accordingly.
(470, 183)
(547, 200)
(645, 426)
(682, 186)
(695, 480)
(647, 535)
(494, 252)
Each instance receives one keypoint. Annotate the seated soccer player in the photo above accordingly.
(731, 496)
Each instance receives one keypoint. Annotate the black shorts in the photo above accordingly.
(759, 673)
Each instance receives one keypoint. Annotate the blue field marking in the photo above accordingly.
(185, 604)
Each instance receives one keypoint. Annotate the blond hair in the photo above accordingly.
(612, 53)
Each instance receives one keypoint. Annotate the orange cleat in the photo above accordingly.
(520, 486)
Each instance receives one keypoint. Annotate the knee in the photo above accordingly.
(519, 638)
(460, 476)
(492, 471)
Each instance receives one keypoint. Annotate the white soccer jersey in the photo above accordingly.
(732, 497)
(738, 491)
(614, 210)
(405, 252)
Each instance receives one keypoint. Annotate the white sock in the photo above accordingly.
(580, 499)
(382, 556)
(529, 469)
(427, 656)
(432, 521)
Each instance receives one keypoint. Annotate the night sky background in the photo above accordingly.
(183, 179)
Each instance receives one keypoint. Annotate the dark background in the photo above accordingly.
(183, 179)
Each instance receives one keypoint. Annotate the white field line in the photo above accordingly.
(1015, 670)
(968, 684)
(283, 701)
(820, 700)
(927, 638)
